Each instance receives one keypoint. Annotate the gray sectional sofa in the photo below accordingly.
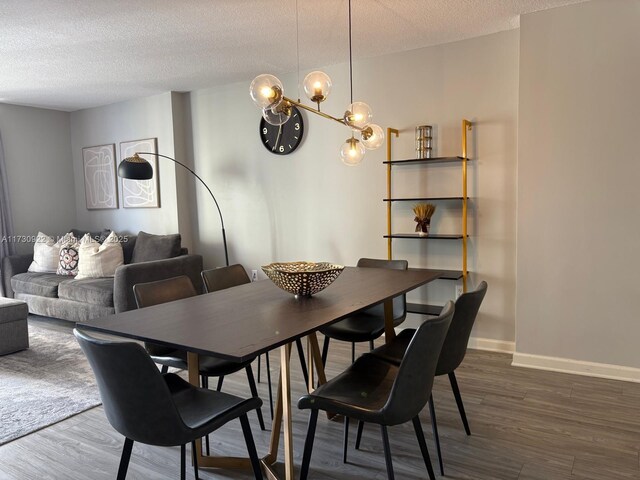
(64, 297)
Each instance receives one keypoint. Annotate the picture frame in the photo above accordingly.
(141, 193)
(100, 185)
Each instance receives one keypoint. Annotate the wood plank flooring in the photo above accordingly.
(526, 425)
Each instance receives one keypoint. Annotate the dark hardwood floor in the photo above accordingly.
(526, 424)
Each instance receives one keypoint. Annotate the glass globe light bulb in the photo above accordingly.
(266, 90)
(372, 136)
(358, 115)
(352, 152)
(275, 116)
(317, 86)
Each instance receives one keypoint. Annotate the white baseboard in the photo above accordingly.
(576, 367)
(492, 345)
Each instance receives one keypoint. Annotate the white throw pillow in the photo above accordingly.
(99, 260)
(46, 253)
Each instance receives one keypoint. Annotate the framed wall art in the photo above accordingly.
(100, 185)
(141, 193)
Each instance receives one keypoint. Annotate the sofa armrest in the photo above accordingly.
(12, 265)
(127, 276)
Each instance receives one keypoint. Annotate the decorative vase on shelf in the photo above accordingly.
(423, 213)
(422, 226)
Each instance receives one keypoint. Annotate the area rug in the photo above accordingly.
(45, 384)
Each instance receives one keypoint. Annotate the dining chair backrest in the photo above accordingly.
(455, 345)
(399, 302)
(135, 397)
(224, 277)
(412, 387)
(162, 291)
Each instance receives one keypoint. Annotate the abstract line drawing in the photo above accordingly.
(141, 193)
(100, 177)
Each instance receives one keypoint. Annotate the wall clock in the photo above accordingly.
(282, 139)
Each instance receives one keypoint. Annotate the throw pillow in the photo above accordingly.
(69, 255)
(97, 260)
(46, 254)
(98, 236)
(156, 247)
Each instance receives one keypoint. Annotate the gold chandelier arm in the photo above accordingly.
(318, 112)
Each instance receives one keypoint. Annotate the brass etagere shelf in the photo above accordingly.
(463, 236)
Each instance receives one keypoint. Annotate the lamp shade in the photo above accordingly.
(135, 168)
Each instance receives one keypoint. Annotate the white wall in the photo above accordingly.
(309, 206)
(39, 169)
(149, 117)
(578, 195)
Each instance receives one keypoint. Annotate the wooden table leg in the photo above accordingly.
(282, 412)
(389, 330)
(210, 461)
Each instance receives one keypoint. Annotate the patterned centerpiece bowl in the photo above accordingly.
(303, 279)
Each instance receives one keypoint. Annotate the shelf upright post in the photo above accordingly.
(389, 132)
(466, 125)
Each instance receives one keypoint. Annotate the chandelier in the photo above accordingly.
(267, 92)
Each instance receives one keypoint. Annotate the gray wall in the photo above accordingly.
(578, 196)
(309, 206)
(40, 170)
(149, 117)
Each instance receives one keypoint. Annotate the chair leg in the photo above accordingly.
(387, 452)
(423, 447)
(303, 362)
(251, 446)
(254, 393)
(456, 393)
(371, 345)
(436, 437)
(308, 445)
(124, 459)
(325, 350)
(259, 363)
(195, 458)
(206, 440)
(204, 381)
(183, 462)
(353, 352)
(345, 441)
(359, 434)
(164, 369)
(266, 356)
(220, 380)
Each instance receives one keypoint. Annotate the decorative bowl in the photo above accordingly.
(303, 278)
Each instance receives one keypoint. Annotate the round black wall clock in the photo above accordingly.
(282, 139)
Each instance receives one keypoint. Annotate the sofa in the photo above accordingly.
(68, 298)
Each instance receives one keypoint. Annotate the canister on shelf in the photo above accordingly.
(423, 141)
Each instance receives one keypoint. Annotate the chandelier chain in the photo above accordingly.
(350, 55)
(298, 47)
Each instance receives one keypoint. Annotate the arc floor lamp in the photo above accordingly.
(137, 168)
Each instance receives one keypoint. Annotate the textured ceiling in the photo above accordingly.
(74, 54)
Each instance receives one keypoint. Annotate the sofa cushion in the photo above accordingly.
(40, 284)
(128, 243)
(156, 247)
(96, 291)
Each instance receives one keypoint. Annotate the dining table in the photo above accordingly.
(242, 322)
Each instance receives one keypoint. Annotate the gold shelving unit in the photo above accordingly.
(463, 236)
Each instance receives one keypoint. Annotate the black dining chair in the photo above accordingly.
(376, 391)
(226, 277)
(367, 325)
(453, 353)
(176, 288)
(149, 407)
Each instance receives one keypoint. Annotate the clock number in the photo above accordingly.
(281, 149)
(264, 131)
(297, 126)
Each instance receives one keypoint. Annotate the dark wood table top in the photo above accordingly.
(241, 322)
